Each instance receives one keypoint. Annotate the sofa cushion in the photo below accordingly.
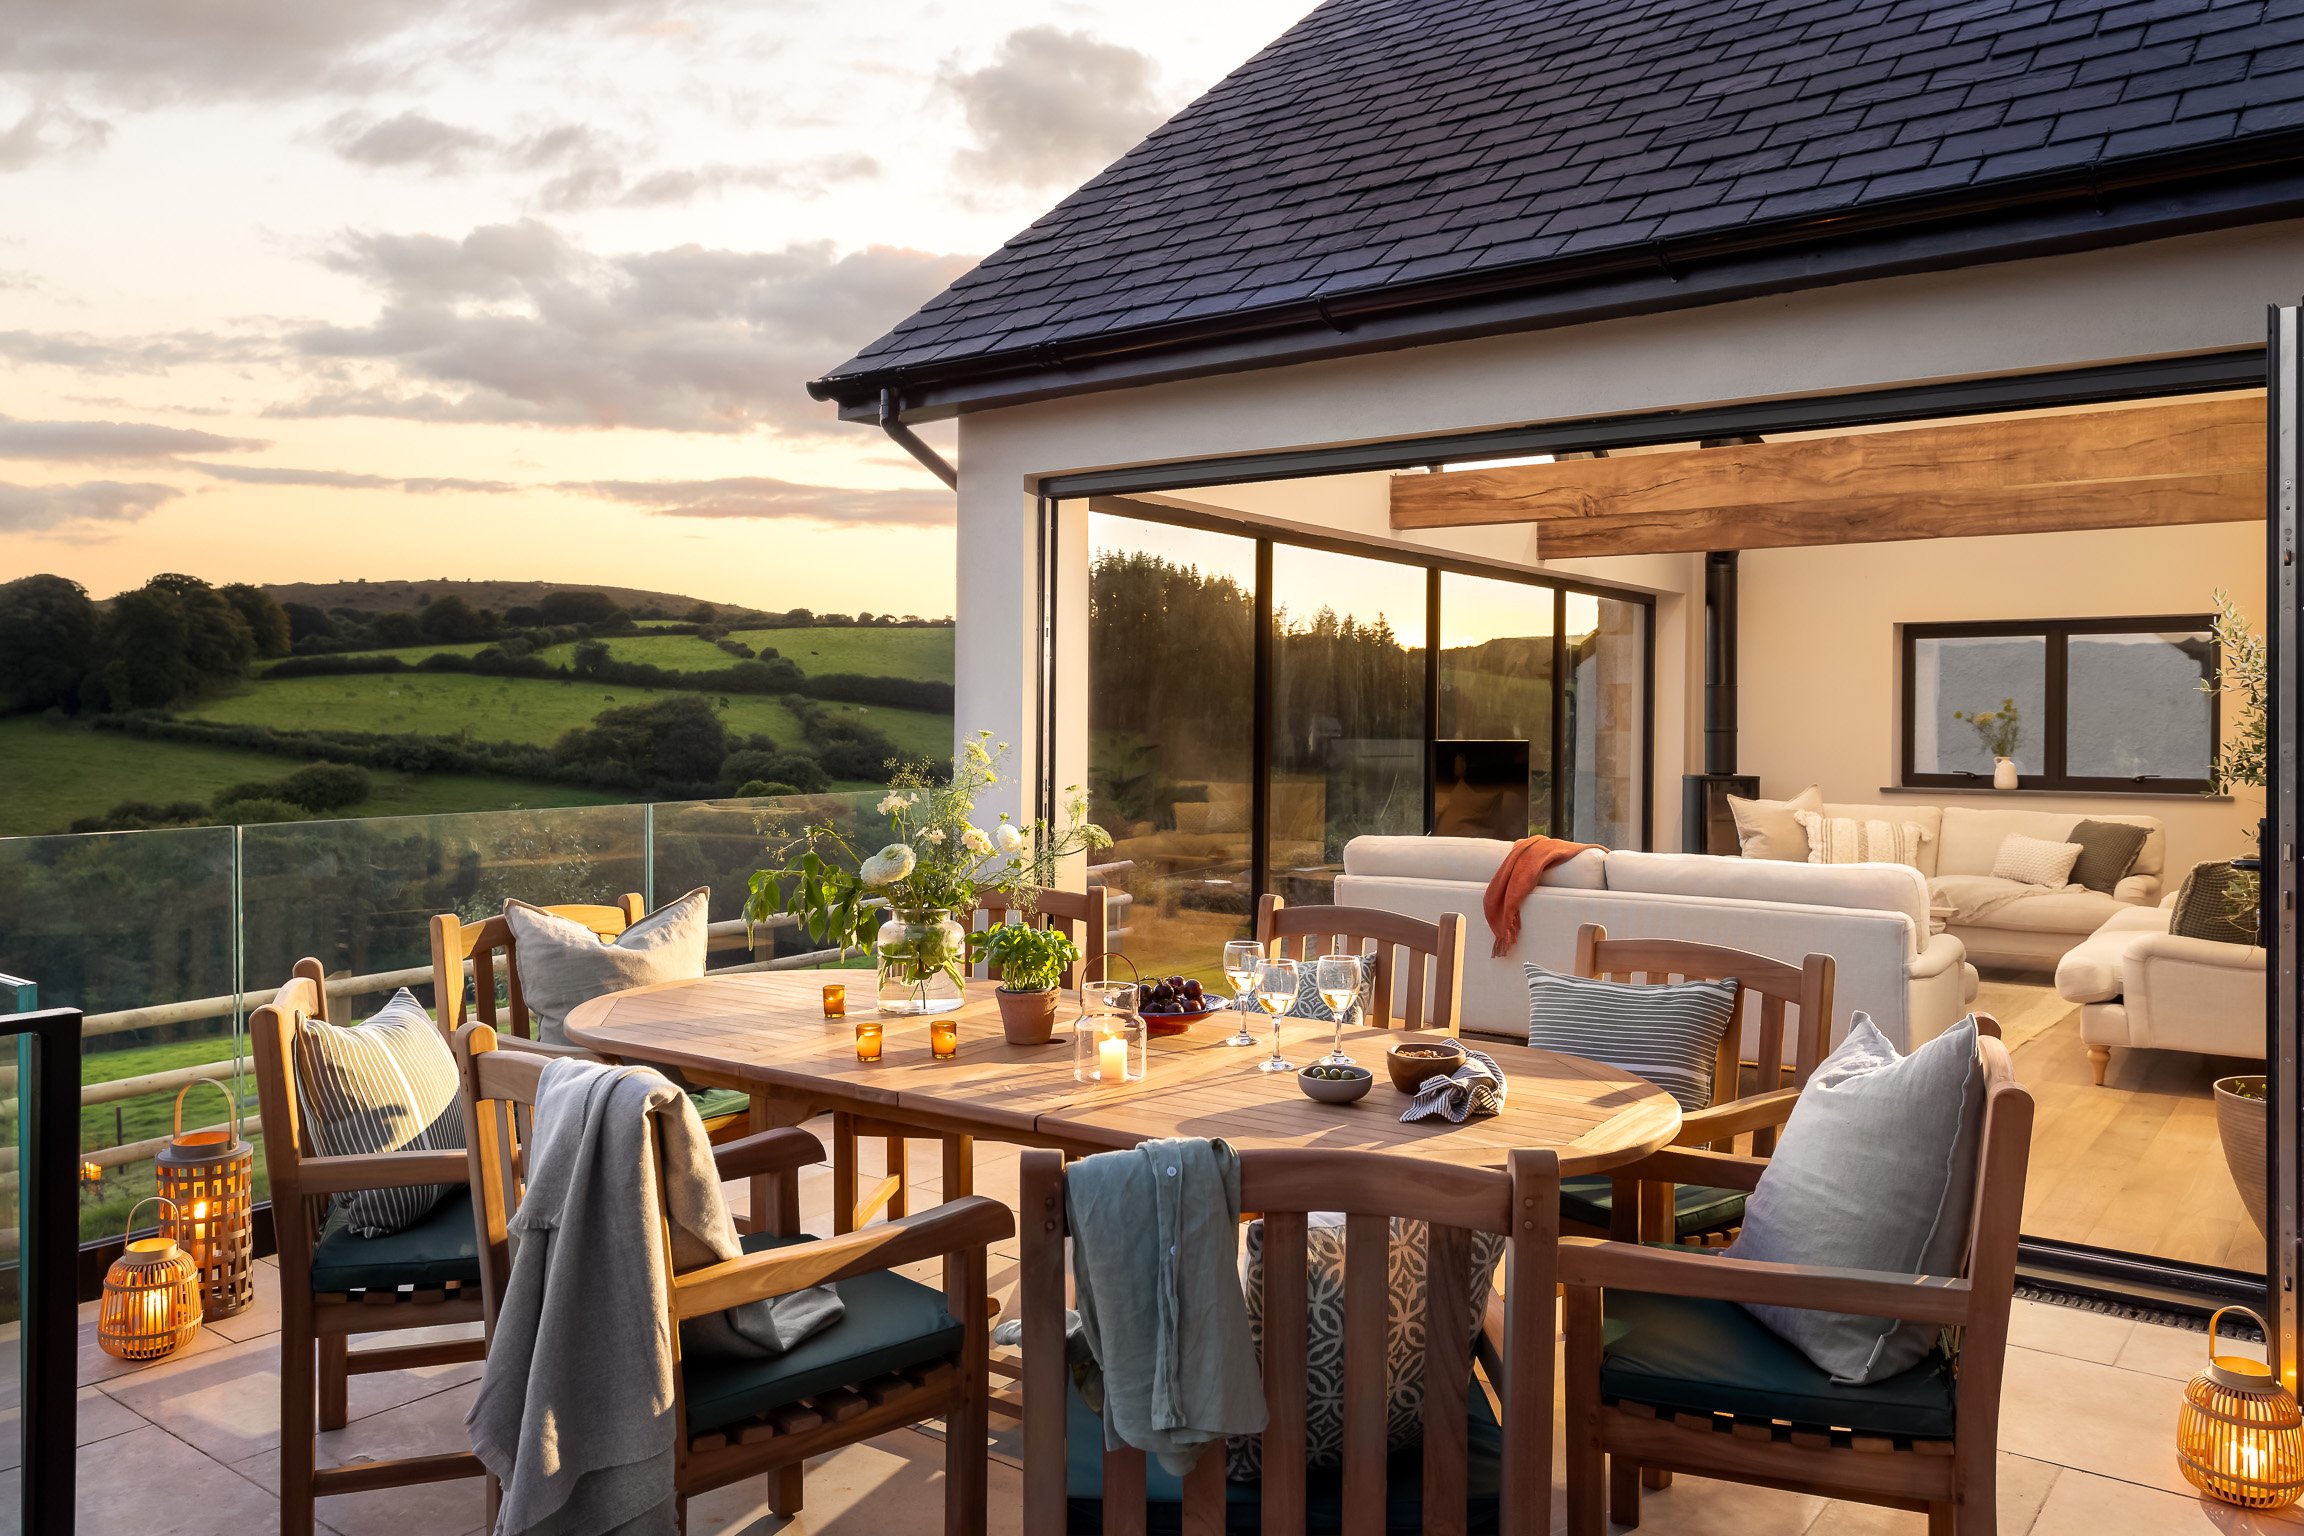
(1861, 839)
(2203, 909)
(2039, 861)
(2030, 908)
(2108, 851)
(1929, 818)
(1695, 1355)
(1770, 829)
(438, 1247)
(1473, 859)
(1873, 887)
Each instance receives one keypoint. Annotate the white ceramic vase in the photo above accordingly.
(2003, 773)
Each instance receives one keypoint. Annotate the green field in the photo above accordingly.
(59, 773)
(675, 653)
(868, 652)
(411, 654)
(445, 703)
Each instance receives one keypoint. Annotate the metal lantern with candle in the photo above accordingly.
(2239, 1435)
(208, 1179)
(151, 1304)
(1109, 1041)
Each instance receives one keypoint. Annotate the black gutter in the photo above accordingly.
(2089, 208)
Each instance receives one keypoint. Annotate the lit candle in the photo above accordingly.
(1112, 1058)
(835, 1000)
(868, 1040)
(943, 1038)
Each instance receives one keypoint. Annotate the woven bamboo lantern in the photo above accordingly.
(208, 1178)
(151, 1303)
(2239, 1435)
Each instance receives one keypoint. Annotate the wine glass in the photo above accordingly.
(1241, 959)
(1338, 978)
(1276, 990)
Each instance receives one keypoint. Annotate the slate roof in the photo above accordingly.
(1382, 143)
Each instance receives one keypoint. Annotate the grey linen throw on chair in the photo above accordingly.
(1156, 1272)
(574, 1415)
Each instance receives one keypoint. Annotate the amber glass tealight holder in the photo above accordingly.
(835, 1000)
(943, 1037)
(867, 1039)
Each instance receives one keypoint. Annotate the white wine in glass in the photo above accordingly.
(1338, 978)
(1276, 990)
(1242, 958)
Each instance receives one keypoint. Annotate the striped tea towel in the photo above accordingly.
(1475, 1088)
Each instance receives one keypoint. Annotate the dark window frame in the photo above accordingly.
(2053, 777)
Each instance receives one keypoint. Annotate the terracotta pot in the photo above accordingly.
(1027, 1018)
(2240, 1125)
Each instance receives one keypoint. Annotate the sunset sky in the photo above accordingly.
(301, 291)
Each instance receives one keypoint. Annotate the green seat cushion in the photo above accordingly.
(1323, 1487)
(1694, 1355)
(1696, 1210)
(717, 1103)
(437, 1247)
(891, 1323)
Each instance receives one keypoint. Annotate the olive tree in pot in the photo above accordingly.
(2242, 671)
(1031, 962)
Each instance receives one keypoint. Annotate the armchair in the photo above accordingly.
(2138, 985)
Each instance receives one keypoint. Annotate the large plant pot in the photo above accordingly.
(1027, 1018)
(2240, 1125)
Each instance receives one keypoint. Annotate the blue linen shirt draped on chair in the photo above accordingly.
(1156, 1273)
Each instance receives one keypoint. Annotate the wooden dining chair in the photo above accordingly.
(1419, 981)
(1083, 918)
(1696, 1384)
(485, 949)
(1606, 1205)
(903, 1352)
(334, 1285)
(1468, 1456)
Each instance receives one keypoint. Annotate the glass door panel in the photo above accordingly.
(1605, 720)
(1495, 712)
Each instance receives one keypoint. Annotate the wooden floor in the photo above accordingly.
(2135, 1164)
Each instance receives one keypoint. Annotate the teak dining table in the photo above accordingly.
(765, 1033)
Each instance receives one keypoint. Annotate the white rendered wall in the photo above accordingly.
(2167, 298)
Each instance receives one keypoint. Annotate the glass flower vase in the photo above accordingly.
(920, 956)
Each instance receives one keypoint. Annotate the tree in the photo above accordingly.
(143, 652)
(48, 630)
(451, 619)
(220, 642)
(393, 630)
(267, 621)
(676, 742)
(306, 622)
(565, 607)
(590, 658)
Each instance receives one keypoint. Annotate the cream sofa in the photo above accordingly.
(1871, 918)
(2029, 928)
(2137, 984)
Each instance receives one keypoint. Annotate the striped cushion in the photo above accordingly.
(1667, 1032)
(388, 1085)
(1861, 840)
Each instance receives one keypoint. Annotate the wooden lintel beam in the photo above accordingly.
(2185, 462)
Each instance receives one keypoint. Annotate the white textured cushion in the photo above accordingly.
(1861, 840)
(386, 1085)
(1461, 858)
(563, 963)
(1768, 829)
(1876, 887)
(1875, 1170)
(2035, 861)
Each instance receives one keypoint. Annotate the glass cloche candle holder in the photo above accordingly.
(1109, 1041)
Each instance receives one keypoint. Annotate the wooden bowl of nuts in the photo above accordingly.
(1415, 1062)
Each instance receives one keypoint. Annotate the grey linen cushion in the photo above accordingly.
(386, 1085)
(563, 963)
(2108, 851)
(1875, 1170)
(1406, 1314)
(1668, 1033)
(2203, 907)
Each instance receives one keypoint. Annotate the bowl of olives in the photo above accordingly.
(1172, 1004)
(1414, 1062)
(1335, 1085)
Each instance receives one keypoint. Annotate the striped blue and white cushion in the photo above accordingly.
(1667, 1032)
(387, 1085)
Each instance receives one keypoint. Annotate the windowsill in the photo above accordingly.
(1931, 792)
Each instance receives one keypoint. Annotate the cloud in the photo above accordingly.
(409, 139)
(1054, 107)
(154, 353)
(514, 323)
(86, 507)
(347, 480)
(756, 496)
(48, 130)
(109, 442)
(596, 183)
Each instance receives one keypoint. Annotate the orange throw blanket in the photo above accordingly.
(1522, 868)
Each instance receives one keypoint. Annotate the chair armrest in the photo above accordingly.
(2143, 890)
(1587, 1261)
(2175, 948)
(526, 1047)
(972, 1221)
(1693, 1165)
(379, 1170)
(767, 1152)
(1755, 1111)
(1940, 953)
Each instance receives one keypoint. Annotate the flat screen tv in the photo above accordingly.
(1480, 789)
